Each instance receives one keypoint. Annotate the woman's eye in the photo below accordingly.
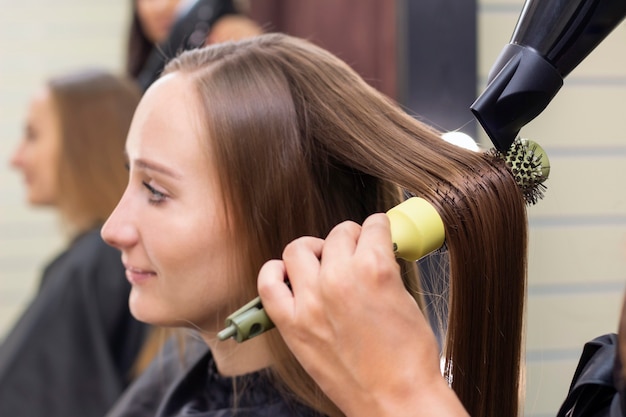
(156, 197)
(30, 135)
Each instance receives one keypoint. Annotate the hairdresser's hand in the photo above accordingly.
(232, 27)
(353, 326)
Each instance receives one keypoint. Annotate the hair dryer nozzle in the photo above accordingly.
(519, 92)
(550, 39)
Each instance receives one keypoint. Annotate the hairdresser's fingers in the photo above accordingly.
(355, 255)
(276, 296)
(301, 257)
(232, 28)
(308, 328)
(375, 246)
(376, 233)
(337, 260)
(341, 242)
(302, 263)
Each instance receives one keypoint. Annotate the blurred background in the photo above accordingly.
(39, 39)
(431, 55)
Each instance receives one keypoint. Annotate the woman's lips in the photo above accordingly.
(138, 276)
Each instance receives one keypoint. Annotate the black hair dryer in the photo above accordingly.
(550, 39)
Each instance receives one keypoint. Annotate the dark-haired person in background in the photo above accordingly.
(160, 29)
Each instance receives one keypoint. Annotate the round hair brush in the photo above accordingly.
(529, 164)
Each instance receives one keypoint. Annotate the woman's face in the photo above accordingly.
(157, 17)
(37, 155)
(169, 224)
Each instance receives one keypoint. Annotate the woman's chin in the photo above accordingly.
(145, 311)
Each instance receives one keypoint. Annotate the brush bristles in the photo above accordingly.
(530, 166)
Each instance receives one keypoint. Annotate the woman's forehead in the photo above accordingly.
(167, 121)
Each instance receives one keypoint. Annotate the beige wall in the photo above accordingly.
(577, 240)
(577, 262)
(39, 38)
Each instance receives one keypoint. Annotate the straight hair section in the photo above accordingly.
(302, 143)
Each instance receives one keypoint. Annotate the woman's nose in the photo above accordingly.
(120, 230)
(17, 159)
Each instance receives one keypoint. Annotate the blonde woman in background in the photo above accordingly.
(76, 346)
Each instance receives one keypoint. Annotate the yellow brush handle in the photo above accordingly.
(416, 229)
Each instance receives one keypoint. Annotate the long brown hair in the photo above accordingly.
(95, 109)
(302, 143)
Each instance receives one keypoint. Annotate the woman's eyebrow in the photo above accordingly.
(155, 166)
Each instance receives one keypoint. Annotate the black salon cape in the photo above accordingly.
(70, 353)
(189, 385)
(597, 388)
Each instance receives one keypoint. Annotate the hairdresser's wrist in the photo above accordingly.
(439, 400)
(414, 400)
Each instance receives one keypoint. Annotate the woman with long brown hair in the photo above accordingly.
(239, 149)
